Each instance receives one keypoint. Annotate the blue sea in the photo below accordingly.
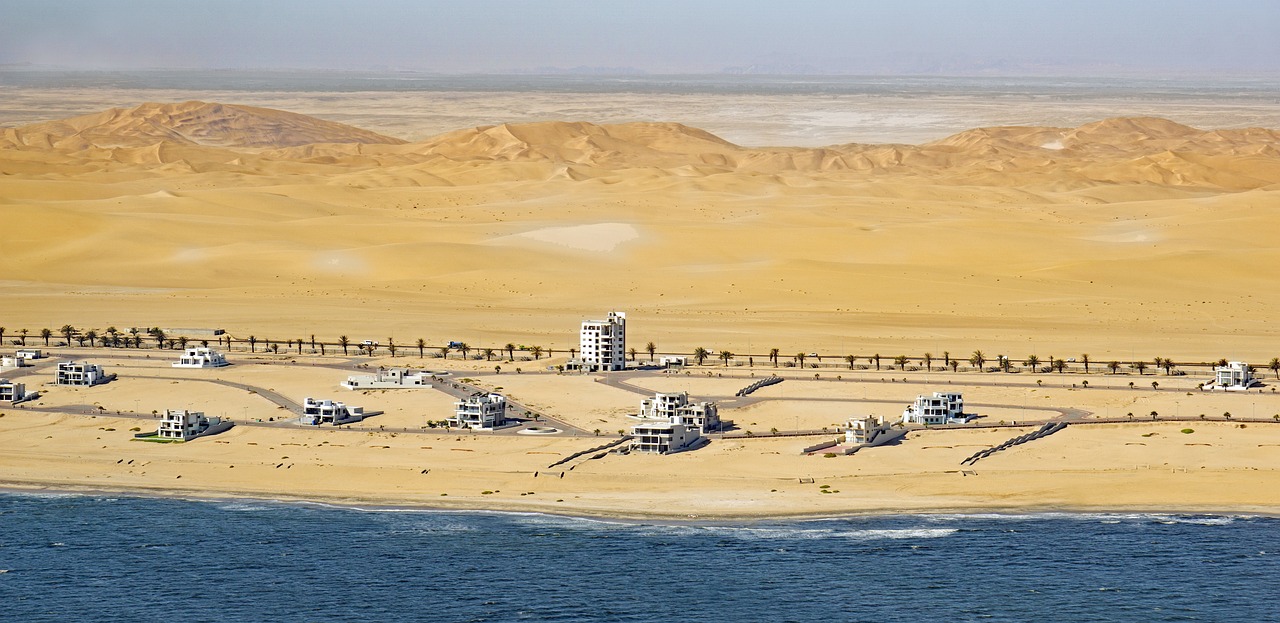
(95, 558)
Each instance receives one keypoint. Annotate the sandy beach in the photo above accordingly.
(71, 439)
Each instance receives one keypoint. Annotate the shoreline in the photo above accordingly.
(8, 487)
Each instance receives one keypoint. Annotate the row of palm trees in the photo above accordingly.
(978, 359)
(112, 336)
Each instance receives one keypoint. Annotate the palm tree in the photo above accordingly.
(67, 331)
(511, 351)
(900, 361)
(725, 356)
(253, 343)
(773, 356)
(573, 353)
(137, 341)
(701, 354)
(955, 365)
(1114, 367)
(1032, 362)
(536, 350)
(23, 333)
(800, 357)
(1274, 366)
(1159, 361)
(1, 335)
(159, 335)
(1085, 360)
(488, 354)
(91, 335)
(1169, 365)
(344, 341)
(391, 348)
(313, 342)
(112, 331)
(1155, 384)
(1059, 365)
(1222, 363)
(444, 352)
(1005, 364)
(632, 352)
(851, 359)
(977, 359)
(928, 362)
(1141, 366)
(465, 349)
(300, 345)
(182, 341)
(46, 334)
(876, 358)
(651, 348)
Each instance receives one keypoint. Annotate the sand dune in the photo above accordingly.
(189, 123)
(1134, 237)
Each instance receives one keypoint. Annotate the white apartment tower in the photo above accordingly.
(604, 344)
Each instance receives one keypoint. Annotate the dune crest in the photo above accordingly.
(191, 123)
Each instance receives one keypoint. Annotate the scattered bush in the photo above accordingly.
(1188, 431)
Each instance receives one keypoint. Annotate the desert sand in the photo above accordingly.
(1123, 237)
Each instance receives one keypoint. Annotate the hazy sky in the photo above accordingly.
(657, 36)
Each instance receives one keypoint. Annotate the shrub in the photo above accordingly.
(830, 455)
(1188, 431)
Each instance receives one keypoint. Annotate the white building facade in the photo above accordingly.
(317, 412)
(1234, 377)
(480, 410)
(12, 391)
(185, 425)
(13, 362)
(864, 430)
(200, 357)
(603, 344)
(940, 408)
(393, 378)
(29, 353)
(663, 437)
(79, 374)
(676, 408)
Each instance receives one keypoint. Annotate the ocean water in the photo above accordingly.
(94, 558)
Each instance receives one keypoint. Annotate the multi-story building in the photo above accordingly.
(480, 410)
(79, 373)
(185, 425)
(864, 430)
(316, 412)
(663, 437)
(12, 392)
(676, 408)
(603, 344)
(200, 357)
(388, 378)
(940, 408)
(1234, 377)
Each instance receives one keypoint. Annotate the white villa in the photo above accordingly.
(673, 361)
(1234, 377)
(864, 430)
(603, 344)
(185, 425)
(393, 378)
(201, 357)
(12, 392)
(663, 437)
(13, 362)
(676, 408)
(79, 374)
(29, 353)
(480, 410)
(316, 412)
(940, 408)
